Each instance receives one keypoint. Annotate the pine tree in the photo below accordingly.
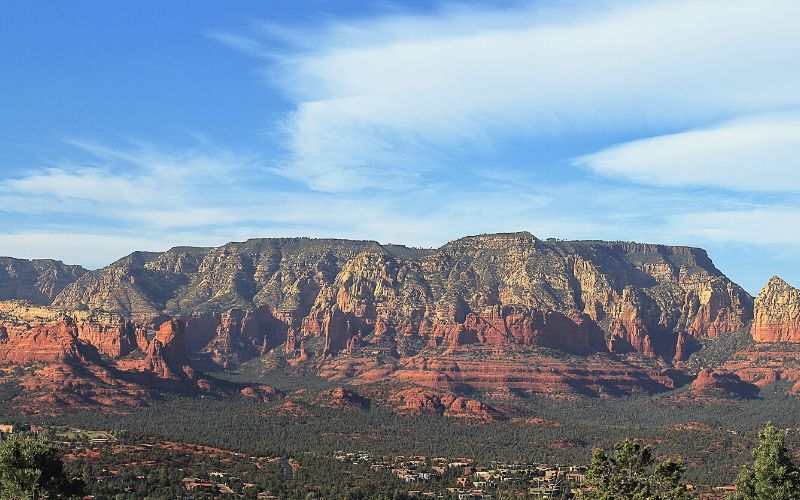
(772, 475)
(632, 473)
(32, 469)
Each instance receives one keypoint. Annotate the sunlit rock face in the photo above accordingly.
(32, 333)
(243, 299)
(777, 313)
(715, 382)
(501, 314)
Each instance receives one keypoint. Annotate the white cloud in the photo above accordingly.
(139, 182)
(383, 99)
(757, 154)
(86, 184)
(760, 226)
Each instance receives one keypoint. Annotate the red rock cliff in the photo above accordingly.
(166, 355)
(30, 333)
(777, 313)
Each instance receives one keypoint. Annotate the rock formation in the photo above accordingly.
(36, 281)
(502, 288)
(502, 314)
(343, 399)
(777, 313)
(717, 382)
(681, 348)
(166, 354)
(87, 351)
(260, 392)
(417, 401)
(235, 334)
(31, 333)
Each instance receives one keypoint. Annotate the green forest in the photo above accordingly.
(712, 438)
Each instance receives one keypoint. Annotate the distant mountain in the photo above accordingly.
(489, 313)
(37, 281)
(641, 296)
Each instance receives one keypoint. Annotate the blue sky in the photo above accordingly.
(145, 125)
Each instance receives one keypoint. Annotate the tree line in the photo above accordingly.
(32, 468)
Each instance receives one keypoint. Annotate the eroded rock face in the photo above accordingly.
(629, 323)
(64, 385)
(501, 288)
(765, 363)
(110, 333)
(343, 399)
(518, 325)
(37, 281)
(509, 370)
(722, 382)
(88, 351)
(166, 355)
(260, 392)
(777, 313)
(492, 313)
(236, 334)
(418, 401)
(31, 333)
(79, 359)
(681, 348)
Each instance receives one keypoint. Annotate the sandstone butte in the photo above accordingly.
(777, 313)
(714, 382)
(776, 332)
(492, 312)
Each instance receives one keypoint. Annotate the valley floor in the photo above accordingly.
(712, 437)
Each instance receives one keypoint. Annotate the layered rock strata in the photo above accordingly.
(777, 313)
(489, 289)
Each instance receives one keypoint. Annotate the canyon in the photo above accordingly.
(501, 316)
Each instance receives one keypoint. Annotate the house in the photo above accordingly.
(576, 478)
(472, 495)
(720, 492)
(201, 486)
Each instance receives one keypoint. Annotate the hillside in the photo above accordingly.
(499, 316)
(38, 281)
(640, 296)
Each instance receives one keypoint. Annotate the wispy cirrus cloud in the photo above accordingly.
(754, 154)
(130, 181)
(148, 197)
(384, 99)
(762, 225)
